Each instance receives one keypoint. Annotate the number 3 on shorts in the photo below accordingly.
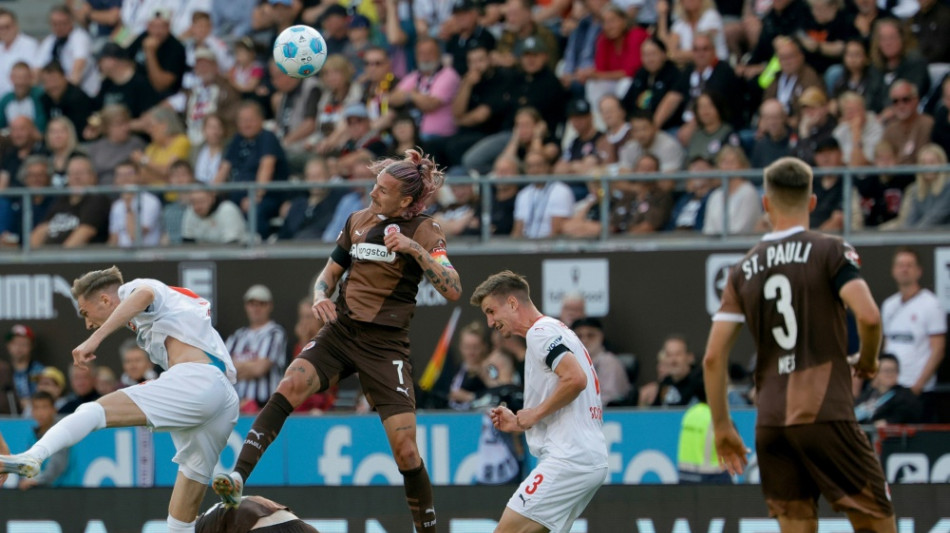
(530, 489)
(398, 364)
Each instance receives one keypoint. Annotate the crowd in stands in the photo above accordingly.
(135, 93)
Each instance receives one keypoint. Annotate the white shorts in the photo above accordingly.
(197, 404)
(554, 494)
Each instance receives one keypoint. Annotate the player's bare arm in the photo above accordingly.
(857, 296)
(571, 381)
(722, 337)
(323, 307)
(436, 266)
(137, 302)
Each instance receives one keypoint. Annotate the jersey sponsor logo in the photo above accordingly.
(555, 342)
(392, 228)
(372, 252)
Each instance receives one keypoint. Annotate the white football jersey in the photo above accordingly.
(179, 313)
(575, 432)
(907, 330)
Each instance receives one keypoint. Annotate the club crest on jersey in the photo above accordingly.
(309, 345)
(852, 255)
(392, 228)
(132, 327)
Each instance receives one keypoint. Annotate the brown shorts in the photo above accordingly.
(380, 354)
(797, 463)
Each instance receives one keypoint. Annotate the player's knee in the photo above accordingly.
(406, 454)
(297, 384)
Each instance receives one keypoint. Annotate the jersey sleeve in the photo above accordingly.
(935, 318)
(730, 308)
(158, 288)
(431, 237)
(549, 344)
(341, 254)
(844, 264)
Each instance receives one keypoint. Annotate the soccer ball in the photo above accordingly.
(300, 51)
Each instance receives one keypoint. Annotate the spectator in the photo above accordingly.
(209, 93)
(24, 141)
(656, 77)
(306, 329)
(858, 132)
(34, 174)
(646, 138)
(859, 76)
(581, 155)
(828, 214)
(169, 144)
(579, 51)
(683, 384)
(469, 382)
(358, 41)
(645, 206)
(70, 45)
(617, 55)
(44, 415)
(886, 401)
(428, 92)
(707, 74)
(772, 136)
(259, 350)
(866, 15)
(357, 168)
(500, 454)
(785, 18)
(689, 211)
(378, 81)
(101, 17)
(63, 99)
(159, 55)
(538, 86)
(794, 78)
(179, 174)
(339, 91)
(573, 307)
(463, 215)
(909, 130)
(135, 218)
(52, 381)
(713, 132)
(247, 72)
(136, 366)
(541, 208)
(200, 35)
(468, 35)
(61, 143)
(15, 47)
(116, 145)
(816, 124)
(941, 130)
(254, 155)
(614, 386)
(404, 135)
(927, 202)
(520, 28)
(294, 104)
(531, 133)
(617, 132)
(306, 217)
(930, 25)
(744, 204)
(24, 100)
(135, 16)
(333, 25)
(358, 133)
(210, 219)
(208, 161)
(882, 194)
(505, 194)
(896, 59)
(915, 329)
(825, 33)
(481, 106)
(26, 370)
(106, 381)
(689, 18)
(78, 218)
(82, 382)
(123, 84)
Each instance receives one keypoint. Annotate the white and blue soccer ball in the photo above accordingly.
(300, 51)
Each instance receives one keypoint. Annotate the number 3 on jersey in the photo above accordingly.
(778, 288)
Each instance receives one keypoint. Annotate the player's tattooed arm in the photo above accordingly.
(439, 271)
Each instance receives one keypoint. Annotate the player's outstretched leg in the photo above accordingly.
(21, 464)
(88, 418)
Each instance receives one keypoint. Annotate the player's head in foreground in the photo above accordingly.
(505, 298)
(404, 186)
(97, 294)
(788, 193)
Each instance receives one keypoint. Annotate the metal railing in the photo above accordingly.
(486, 242)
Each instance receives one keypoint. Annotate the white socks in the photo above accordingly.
(70, 430)
(177, 526)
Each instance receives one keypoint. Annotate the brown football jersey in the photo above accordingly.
(381, 285)
(787, 290)
(239, 520)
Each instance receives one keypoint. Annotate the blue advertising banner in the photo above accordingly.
(352, 450)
